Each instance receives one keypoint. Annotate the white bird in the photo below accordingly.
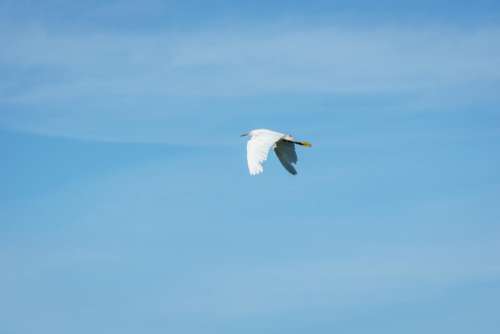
(262, 140)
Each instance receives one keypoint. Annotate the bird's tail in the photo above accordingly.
(304, 143)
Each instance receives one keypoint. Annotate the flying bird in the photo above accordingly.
(262, 140)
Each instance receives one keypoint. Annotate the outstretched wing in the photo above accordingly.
(257, 150)
(285, 151)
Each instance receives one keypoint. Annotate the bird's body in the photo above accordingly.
(262, 140)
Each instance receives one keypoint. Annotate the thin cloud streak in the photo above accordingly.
(271, 60)
(107, 86)
(234, 291)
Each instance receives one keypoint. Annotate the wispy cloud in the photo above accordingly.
(105, 73)
(386, 276)
(271, 59)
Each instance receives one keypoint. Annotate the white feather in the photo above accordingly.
(261, 141)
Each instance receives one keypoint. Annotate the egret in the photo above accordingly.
(262, 140)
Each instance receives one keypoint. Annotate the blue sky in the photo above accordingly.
(126, 204)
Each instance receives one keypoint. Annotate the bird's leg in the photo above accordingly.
(302, 143)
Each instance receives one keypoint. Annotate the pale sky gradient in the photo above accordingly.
(126, 204)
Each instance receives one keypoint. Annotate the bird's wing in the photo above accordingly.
(257, 150)
(285, 151)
